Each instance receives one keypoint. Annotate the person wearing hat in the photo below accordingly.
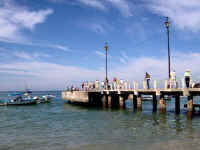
(147, 77)
(187, 76)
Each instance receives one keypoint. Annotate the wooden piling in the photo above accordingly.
(154, 103)
(162, 104)
(121, 101)
(190, 103)
(105, 100)
(190, 107)
(177, 104)
(134, 102)
(139, 102)
(110, 101)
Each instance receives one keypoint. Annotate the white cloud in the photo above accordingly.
(124, 58)
(100, 54)
(43, 75)
(184, 13)
(123, 6)
(60, 47)
(98, 28)
(28, 56)
(93, 3)
(39, 44)
(13, 19)
(158, 67)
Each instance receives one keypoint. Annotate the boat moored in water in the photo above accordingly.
(19, 98)
(44, 99)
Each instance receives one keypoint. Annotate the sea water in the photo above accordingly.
(60, 126)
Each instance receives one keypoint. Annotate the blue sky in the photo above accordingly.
(48, 44)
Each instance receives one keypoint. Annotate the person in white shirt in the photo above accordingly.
(173, 79)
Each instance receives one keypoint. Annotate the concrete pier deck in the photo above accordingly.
(117, 98)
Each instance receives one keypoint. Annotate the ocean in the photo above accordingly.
(61, 126)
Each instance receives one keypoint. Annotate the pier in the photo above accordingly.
(115, 98)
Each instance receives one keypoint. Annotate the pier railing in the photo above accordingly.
(136, 85)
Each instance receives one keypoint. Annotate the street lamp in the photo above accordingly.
(106, 80)
(167, 23)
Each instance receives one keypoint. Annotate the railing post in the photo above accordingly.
(129, 85)
(166, 84)
(191, 82)
(170, 83)
(155, 85)
(183, 83)
(135, 84)
(145, 84)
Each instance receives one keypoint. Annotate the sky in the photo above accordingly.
(51, 44)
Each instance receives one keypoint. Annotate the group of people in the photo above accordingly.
(73, 88)
(173, 82)
(90, 85)
(97, 85)
(123, 84)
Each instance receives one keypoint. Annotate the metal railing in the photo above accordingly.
(134, 85)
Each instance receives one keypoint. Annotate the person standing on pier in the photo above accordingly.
(82, 85)
(114, 83)
(97, 85)
(173, 79)
(187, 76)
(102, 85)
(147, 77)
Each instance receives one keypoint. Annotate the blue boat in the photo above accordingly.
(20, 98)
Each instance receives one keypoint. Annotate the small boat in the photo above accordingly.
(147, 97)
(44, 99)
(20, 98)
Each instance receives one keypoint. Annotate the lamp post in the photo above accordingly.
(167, 23)
(106, 80)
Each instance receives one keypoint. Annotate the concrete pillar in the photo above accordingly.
(162, 104)
(154, 103)
(105, 100)
(115, 101)
(121, 101)
(177, 104)
(110, 101)
(190, 107)
(190, 103)
(134, 102)
(139, 102)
